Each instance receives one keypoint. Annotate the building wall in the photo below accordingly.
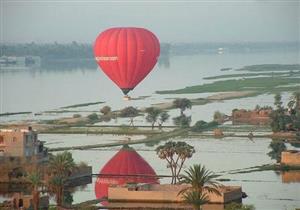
(168, 193)
(18, 143)
(290, 158)
(252, 117)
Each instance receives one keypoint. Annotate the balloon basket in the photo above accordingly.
(126, 98)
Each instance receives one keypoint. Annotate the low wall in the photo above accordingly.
(168, 193)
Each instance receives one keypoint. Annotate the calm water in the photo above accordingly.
(265, 189)
(41, 90)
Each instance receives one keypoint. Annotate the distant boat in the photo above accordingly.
(220, 50)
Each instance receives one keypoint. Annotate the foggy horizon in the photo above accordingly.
(172, 22)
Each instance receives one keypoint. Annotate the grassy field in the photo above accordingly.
(270, 74)
(271, 67)
(259, 85)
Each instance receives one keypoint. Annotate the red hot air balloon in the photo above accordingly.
(126, 55)
(126, 162)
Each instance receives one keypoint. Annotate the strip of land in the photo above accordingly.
(259, 85)
(82, 105)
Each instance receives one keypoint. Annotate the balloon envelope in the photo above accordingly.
(126, 162)
(126, 55)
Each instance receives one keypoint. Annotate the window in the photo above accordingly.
(14, 139)
(1, 140)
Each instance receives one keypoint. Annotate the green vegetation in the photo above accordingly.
(276, 148)
(238, 206)
(259, 85)
(202, 182)
(163, 117)
(175, 153)
(182, 121)
(152, 115)
(119, 130)
(272, 74)
(266, 167)
(271, 67)
(13, 113)
(105, 110)
(76, 115)
(61, 166)
(201, 126)
(129, 112)
(219, 117)
(82, 105)
(195, 198)
(286, 119)
(35, 181)
(93, 117)
(156, 115)
(182, 104)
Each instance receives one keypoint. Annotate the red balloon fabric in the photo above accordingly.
(126, 162)
(126, 55)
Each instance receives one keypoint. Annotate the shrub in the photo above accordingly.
(93, 117)
(182, 121)
(202, 126)
(105, 110)
(76, 115)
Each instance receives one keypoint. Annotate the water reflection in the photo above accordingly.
(290, 176)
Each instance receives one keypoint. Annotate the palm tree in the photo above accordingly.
(196, 198)
(60, 167)
(296, 96)
(61, 164)
(201, 181)
(56, 186)
(35, 182)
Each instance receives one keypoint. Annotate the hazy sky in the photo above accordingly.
(171, 21)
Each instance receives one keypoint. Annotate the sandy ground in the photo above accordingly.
(218, 96)
(228, 95)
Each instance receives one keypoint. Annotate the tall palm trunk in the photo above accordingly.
(35, 199)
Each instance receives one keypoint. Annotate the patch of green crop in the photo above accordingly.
(261, 84)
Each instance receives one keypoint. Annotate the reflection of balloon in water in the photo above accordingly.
(126, 162)
(126, 55)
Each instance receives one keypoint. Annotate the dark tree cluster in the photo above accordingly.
(286, 119)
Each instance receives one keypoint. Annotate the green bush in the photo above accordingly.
(202, 126)
(93, 117)
(238, 206)
(76, 115)
(105, 110)
(182, 121)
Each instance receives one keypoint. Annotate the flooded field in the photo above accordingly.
(266, 190)
(50, 90)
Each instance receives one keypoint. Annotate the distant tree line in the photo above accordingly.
(57, 50)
